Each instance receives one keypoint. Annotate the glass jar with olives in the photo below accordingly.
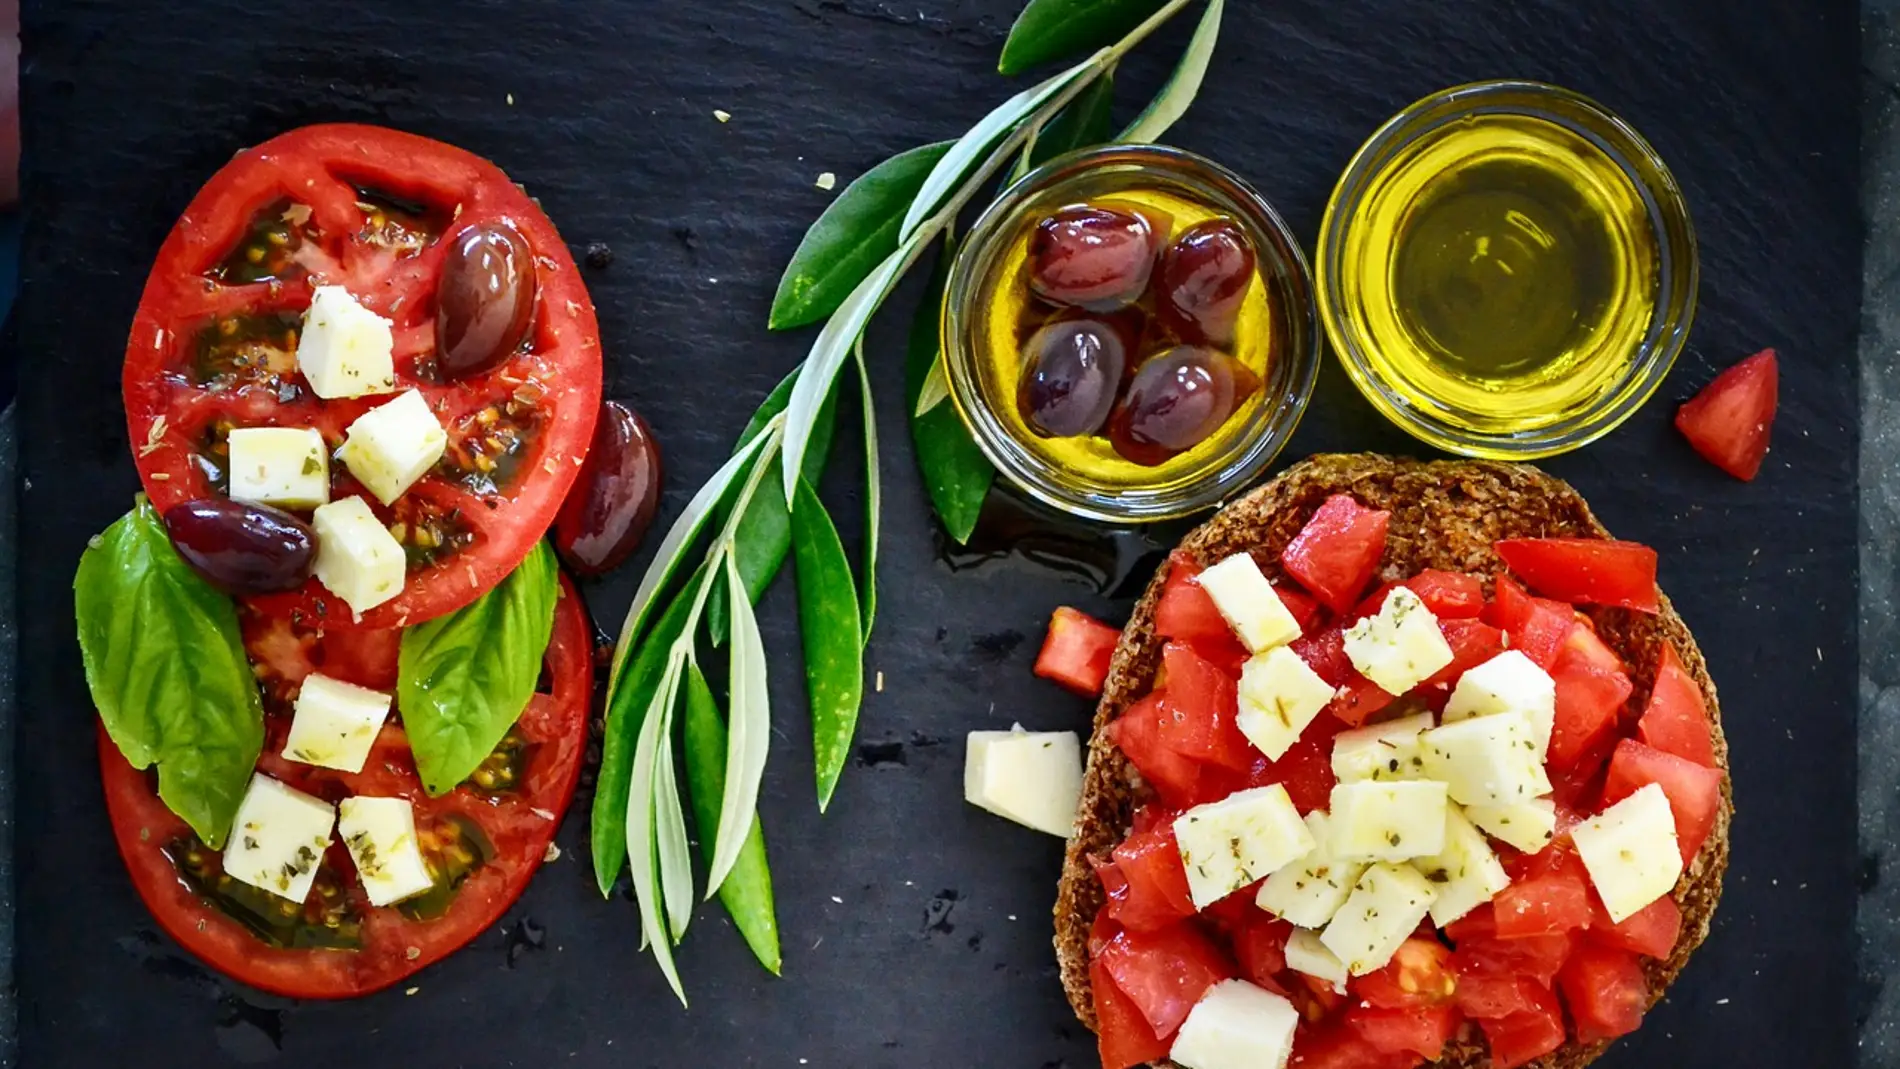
(1130, 333)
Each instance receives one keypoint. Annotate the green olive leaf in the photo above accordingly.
(652, 855)
(1050, 30)
(750, 740)
(834, 644)
(956, 473)
(856, 232)
(873, 495)
(1183, 85)
(165, 662)
(746, 892)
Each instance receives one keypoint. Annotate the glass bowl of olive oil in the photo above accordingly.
(1507, 269)
(1185, 408)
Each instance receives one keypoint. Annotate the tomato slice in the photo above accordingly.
(1419, 974)
(1651, 931)
(1123, 1036)
(1185, 613)
(1599, 571)
(511, 828)
(1728, 422)
(1695, 792)
(1076, 652)
(1676, 720)
(1335, 554)
(1606, 992)
(1527, 1036)
(1164, 973)
(1420, 1030)
(213, 344)
(1536, 626)
(1149, 862)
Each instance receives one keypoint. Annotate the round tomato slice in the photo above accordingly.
(213, 348)
(484, 844)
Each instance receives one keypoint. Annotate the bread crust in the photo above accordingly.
(1445, 514)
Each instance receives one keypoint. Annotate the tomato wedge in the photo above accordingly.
(1076, 652)
(503, 835)
(1598, 571)
(1728, 422)
(213, 346)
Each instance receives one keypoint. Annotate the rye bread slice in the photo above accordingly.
(1445, 514)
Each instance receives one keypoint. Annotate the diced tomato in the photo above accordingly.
(1137, 732)
(1231, 912)
(1525, 1037)
(1338, 1045)
(1583, 641)
(1149, 864)
(1358, 700)
(1419, 974)
(1305, 610)
(1677, 720)
(1489, 996)
(1101, 931)
(1185, 613)
(1335, 554)
(1544, 905)
(1076, 652)
(1450, 595)
(1589, 696)
(1324, 651)
(1536, 957)
(1695, 792)
(1165, 972)
(1260, 948)
(1420, 1030)
(1728, 422)
(1472, 643)
(1605, 990)
(1124, 1036)
(1535, 626)
(1199, 710)
(1651, 931)
(1305, 770)
(1599, 571)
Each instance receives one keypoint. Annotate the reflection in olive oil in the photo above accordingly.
(1015, 532)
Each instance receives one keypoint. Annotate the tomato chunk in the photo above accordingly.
(1589, 696)
(1526, 1036)
(1185, 613)
(1124, 1037)
(1259, 943)
(1149, 865)
(1164, 973)
(1595, 570)
(1695, 792)
(1652, 931)
(1076, 652)
(1338, 1045)
(1419, 974)
(1420, 1030)
(1324, 651)
(1536, 626)
(1605, 990)
(1544, 905)
(1450, 595)
(1305, 770)
(1306, 611)
(1677, 720)
(1137, 732)
(1728, 422)
(1472, 643)
(1335, 554)
(1199, 709)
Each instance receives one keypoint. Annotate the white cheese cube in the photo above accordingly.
(357, 558)
(1524, 826)
(380, 834)
(394, 444)
(1309, 891)
(1631, 852)
(1507, 683)
(1032, 778)
(278, 838)
(336, 723)
(1236, 1026)
(1487, 760)
(345, 350)
(1374, 821)
(1279, 697)
(1400, 646)
(1244, 837)
(1306, 954)
(1387, 751)
(288, 467)
(1382, 911)
(1467, 871)
(1249, 603)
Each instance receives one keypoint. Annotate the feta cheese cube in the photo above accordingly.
(1630, 850)
(1306, 954)
(358, 560)
(345, 350)
(1032, 778)
(1279, 697)
(1507, 683)
(287, 467)
(1236, 1026)
(1374, 821)
(381, 836)
(335, 724)
(1400, 646)
(278, 838)
(1487, 760)
(1386, 906)
(1467, 871)
(1524, 826)
(1249, 603)
(1387, 751)
(1309, 891)
(392, 445)
(1244, 837)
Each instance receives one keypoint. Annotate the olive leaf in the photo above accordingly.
(647, 851)
(1183, 85)
(834, 648)
(856, 232)
(746, 892)
(873, 496)
(957, 475)
(676, 866)
(751, 736)
(1084, 122)
(1049, 30)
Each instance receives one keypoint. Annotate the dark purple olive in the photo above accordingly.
(1175, 401)
(1071, 369)
(484, 301)
(1093, 258)
(611, 504)
(1202, 280)
(242, 549)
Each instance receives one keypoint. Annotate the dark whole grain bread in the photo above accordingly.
(1445, 514)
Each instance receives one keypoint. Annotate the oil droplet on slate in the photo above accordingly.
(251, 1035)
(522, 936)
(1017, 533)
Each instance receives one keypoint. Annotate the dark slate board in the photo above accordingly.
(916, 928)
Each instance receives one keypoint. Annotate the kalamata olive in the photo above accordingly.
(484, 300)
(1094, 258)
(1175, 401)
(612, 503)
(1071, 369)
(1202, 280)
(242, 549)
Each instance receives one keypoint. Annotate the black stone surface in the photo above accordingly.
(916, 928)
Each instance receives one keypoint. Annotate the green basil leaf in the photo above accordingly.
(165, 662)
(1050, 30)
(1084, 122)
(834, 650)
(855, 233)
(956, 473)
(463, 679)
(747, 890)
(1183, 85)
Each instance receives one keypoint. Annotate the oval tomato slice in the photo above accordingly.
(494, 841)
(213, 348)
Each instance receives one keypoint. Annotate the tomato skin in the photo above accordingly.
(1420, 1030)
(1599, 571)
(1676, 721)
(1589, 697)
(1076, 652)
(1418, 975)
(1137, 733)
(1164, 973)
(1124, 1037)
(1524, 1037)
(1695, 792)
(1199, 708)
(1729, 420)
(1605, 990)
(1185, 613)
(1149, 864)
(1536, 626)
(1335, 554)
(1651, 932)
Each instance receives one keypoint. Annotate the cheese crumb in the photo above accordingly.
(722, 115)
(827, 180)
